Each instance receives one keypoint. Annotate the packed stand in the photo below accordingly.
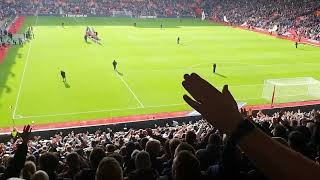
(105, 8)
(6, 16)
(177, 151)
(302, 16)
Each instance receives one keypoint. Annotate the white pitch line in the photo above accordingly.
(134, 95)
(254, 65)
(167, 105)
(274, 65)
(96, 111)
(243, 99)
(22, 77)
(245, 85)
(76, 113)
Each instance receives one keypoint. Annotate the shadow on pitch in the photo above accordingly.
(7, 89)
(221, 75)
(118, 72)
(6, 70)
(66, 84)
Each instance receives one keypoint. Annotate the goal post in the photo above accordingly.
(293, 89)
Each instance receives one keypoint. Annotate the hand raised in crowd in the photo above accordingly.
(247, 114)
(26, 134)
(218, 108)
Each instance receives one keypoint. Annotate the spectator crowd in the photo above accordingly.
(200, 150)
(177, 151)
(302, 16)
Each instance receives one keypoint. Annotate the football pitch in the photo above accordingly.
(151, 66)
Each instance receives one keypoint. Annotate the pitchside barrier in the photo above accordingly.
(306, 108)
(196, 113)
(46, 134)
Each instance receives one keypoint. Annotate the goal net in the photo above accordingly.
(123, 13)
(292, 89)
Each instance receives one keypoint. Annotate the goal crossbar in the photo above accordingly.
(300, 87)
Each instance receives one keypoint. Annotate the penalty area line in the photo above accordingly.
(21, 82)
(131, 91)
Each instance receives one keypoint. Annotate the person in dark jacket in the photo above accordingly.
(73, 164)
(96, 156)
(143, 168)
(212, 153)
(48, 162)
(15, 166)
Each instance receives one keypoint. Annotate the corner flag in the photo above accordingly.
(203, 16)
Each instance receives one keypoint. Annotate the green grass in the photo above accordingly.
(150, 60)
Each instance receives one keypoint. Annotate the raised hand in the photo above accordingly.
(247, 114)
(218, 108)
(26, 134)
(244, 112)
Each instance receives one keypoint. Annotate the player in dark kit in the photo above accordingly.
(178, 40)
(296, 45)
(161, 26)
(62, 24)
(214, 66)
(114, 63)
(134, 24)
(63, 75)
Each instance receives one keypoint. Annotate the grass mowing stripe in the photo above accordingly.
(154, 66)
(241, 67)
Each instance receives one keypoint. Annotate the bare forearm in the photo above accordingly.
(276, 160)
(220, 109)
(199, 132)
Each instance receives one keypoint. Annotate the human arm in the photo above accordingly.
(220, 109)
(200, 131)
(19, 158)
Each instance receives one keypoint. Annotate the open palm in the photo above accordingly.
(218, 108)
